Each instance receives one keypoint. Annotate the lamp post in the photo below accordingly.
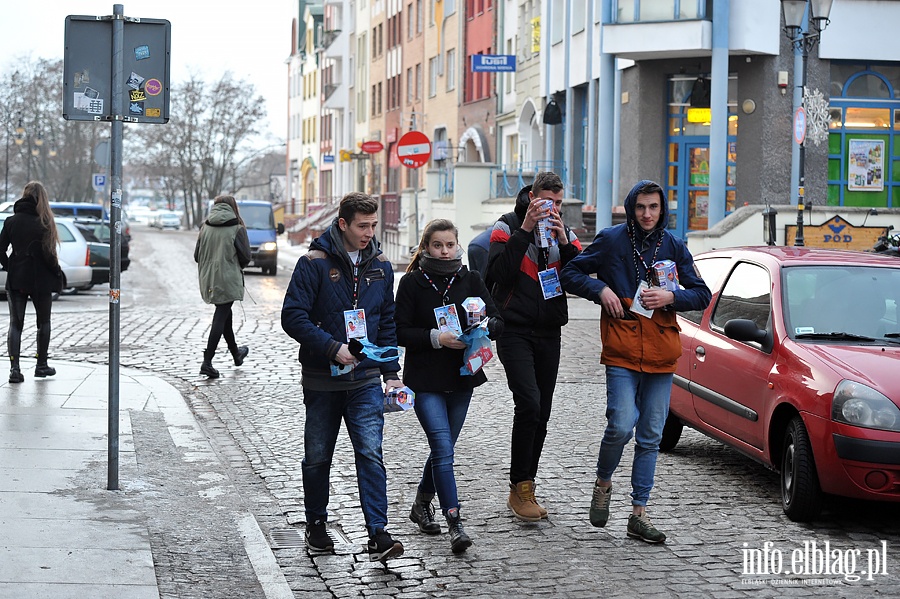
(794, 12)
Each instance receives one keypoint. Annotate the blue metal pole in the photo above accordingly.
(718, 131)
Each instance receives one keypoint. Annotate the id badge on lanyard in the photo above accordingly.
(550, 284)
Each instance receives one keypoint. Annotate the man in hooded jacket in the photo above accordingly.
(640, 352)
(523, 277)
(343, 275)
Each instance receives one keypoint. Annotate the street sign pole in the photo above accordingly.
(414, 150)
(115, 228)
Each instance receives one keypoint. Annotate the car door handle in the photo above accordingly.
(700, 351)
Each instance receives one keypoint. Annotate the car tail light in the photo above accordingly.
(87, 256)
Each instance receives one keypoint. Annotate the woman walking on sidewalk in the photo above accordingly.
(222, 251)
(33, 271)
(436, 278)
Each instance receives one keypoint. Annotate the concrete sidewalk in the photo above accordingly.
(62, 533)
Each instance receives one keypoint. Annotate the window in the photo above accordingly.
(630, 11)
(432, 76)
(558, 21)
(409, 85)
(746, 295)
(420, 16)
(711, 269)
(418, 81)
(451, 69)
(449, 7)
(578, 15)
(409, 21)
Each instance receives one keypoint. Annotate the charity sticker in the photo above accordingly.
(153, 87)
(142, 53)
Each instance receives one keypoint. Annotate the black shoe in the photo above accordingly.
(240, 354)
(382, 546)
(318, 540)
(207, 369)
(16, 376)
(42, 370)
(459, 540)
(422, 513)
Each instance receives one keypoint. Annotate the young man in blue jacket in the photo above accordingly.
(640, 351)
(342, 291)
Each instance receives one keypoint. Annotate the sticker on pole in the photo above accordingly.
(414, 149)
(800, 125)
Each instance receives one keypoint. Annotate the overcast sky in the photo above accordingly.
(252, 39)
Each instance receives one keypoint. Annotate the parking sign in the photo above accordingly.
(99, 182)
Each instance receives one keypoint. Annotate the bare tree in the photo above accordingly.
(43, 145)
(196, 150)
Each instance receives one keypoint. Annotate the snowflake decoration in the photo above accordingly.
(818, 117)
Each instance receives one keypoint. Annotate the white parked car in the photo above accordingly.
(166, 220)
(72, 252)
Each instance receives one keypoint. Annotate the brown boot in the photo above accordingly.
(521, 501)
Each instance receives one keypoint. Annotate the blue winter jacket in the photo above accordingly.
(321, 288)
(647, 345)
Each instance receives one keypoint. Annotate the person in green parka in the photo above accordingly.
(222, 251)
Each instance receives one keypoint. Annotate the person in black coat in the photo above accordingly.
(32, 271)
(436, 278)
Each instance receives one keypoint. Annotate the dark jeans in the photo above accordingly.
(531, 365)
(362, 412)
(442, 416)
(221, 327)
(42, 304)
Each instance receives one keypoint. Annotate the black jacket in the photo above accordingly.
(30, 268)
(426, 368)
(513, 266)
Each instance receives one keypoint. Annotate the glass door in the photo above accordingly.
(697, 186)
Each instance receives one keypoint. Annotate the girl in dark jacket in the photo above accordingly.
(435, 278)
(33, 271)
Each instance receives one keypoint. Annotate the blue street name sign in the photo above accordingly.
(493, 63)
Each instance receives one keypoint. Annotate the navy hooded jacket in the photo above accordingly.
(642, 344)
(321, 288)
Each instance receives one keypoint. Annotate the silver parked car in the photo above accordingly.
(72, 252)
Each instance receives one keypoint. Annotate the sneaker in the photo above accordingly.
(639, 527)
(599, 513)
(382, 546)
(318, 540)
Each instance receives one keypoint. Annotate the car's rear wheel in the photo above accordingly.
(671, 432)
(801, 497)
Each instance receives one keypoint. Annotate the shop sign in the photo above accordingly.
(837, 234)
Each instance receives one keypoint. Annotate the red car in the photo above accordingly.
(796, 363)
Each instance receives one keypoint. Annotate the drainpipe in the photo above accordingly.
(590, 187)
(569, 120)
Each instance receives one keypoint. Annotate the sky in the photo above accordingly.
(250, 38)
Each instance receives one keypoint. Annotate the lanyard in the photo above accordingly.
(356, 280)
(445, 295)
(637, 254)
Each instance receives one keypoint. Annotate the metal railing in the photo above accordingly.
(508, 179)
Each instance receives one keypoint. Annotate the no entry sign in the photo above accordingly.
(371, 147)
(414, 149)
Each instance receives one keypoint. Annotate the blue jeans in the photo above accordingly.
(362, 412)
(637, 403)
(442, 416)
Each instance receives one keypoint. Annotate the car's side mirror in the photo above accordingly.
(743, 329)
(280, 228)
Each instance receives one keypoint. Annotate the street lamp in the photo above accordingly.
(794, 11)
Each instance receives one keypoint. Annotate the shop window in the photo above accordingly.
(867, 86)
(867, 118)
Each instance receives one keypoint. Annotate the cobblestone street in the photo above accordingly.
(713, 503)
